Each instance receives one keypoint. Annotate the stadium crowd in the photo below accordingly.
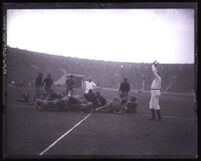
(24, 65)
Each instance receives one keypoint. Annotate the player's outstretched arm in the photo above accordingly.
(155, 63)
(154, 70)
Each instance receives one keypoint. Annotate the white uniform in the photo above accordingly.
(89, 85)
(155, 90)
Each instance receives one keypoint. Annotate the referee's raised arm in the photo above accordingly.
(154, 70)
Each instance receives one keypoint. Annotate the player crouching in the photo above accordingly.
(96, 99)
(130, 106)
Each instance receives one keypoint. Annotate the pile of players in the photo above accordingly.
(89, 102)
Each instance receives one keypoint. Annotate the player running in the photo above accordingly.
(155, 93)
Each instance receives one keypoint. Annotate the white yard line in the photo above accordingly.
(64, 135)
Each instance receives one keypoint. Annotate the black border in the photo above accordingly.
(140, 4)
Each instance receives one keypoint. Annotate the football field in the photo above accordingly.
(32, 133)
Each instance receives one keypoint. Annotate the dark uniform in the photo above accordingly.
(124, 89)
(113, 106)
(69, 86)
(48, 83)
(55, 105)
(131, 106)
(38, 85)
(91, 97)
(100, 100)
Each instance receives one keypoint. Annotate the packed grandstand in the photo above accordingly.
(24, 66)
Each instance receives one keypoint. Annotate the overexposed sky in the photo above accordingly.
(129, 35)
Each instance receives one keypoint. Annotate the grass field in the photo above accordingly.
(30, 132)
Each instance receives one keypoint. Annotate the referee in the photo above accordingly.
(155, 93)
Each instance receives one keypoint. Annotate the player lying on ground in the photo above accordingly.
(43, 102)
(114, 106)
(24, 97)
(78, 103)
(73, 103)
(89, 103)
(119, 106)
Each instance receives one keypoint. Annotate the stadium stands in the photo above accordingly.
(25, 65)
